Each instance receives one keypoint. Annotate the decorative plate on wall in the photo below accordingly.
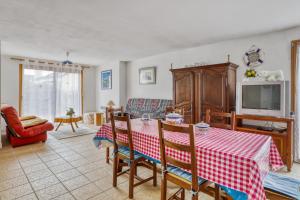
(254, 57)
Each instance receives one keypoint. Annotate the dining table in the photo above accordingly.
(238, 160)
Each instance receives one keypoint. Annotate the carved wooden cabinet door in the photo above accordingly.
(183, 84)
(213, 89)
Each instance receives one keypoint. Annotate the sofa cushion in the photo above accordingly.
(33, 122)
(36, 130)
(136, 107)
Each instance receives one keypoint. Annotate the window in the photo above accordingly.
(295, 94)
(49, 91)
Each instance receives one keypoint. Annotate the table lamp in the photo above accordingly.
(110, 104)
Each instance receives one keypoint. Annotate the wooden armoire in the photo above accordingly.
(205, 87)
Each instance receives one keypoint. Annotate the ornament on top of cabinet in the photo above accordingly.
(254, 57)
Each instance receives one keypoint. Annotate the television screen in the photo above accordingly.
(266, 97)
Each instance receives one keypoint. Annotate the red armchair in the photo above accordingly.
(19, 135)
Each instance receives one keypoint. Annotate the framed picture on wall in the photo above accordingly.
(106, 79)
(147, 75)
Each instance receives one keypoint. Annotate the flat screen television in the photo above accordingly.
(264, 98)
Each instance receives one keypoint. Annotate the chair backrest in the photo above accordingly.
(220, 119)
(165, 159)
(109, 110)
(178, 108)
(125, 132)
(171, 109)
(12, 120)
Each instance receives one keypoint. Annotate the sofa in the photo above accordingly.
(27, 130)
(136, 107)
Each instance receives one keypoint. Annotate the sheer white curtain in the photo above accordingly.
(297, 113)
(48, 90)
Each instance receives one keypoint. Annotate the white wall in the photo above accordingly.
(118, 92)
(89, 89)
(10, 85)
(275, 45)
(103, 96)
(9, 82)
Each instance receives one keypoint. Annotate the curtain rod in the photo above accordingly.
(32, 60)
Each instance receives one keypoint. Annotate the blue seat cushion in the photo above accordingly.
(125, 151)
(274, 182)
(283, 184)
(183, 174)
(235, 194)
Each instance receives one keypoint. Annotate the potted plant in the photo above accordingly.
(70, 112)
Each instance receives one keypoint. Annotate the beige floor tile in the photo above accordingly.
(50, 157)
(60, 168)
(105, 183)
(86, 192)
(30, 162)
(16, 192)
(44, 183)
(34, 168)
(55, 162)
(73, 157)
(11, 183)
(9, 165)
(28, 197)
(117, 193)
(39, 174)
(27, 156)
(6, 175)
(66, 196)
(80, 162)
(89, 167)
(76, 182)
(101, 196)
(67, 152)
(69, 174)
(96, 174)
(51, 192)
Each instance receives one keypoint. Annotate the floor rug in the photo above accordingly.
(66, 132)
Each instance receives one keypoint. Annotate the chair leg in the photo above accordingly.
(195, 197)
(182, 197)
(154, 175)
(163, 189)
(115, 170)
(217, 192)
(107, 155)
(131, 179)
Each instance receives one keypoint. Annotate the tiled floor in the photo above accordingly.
(68, 169)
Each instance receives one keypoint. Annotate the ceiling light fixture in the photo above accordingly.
(67, 62)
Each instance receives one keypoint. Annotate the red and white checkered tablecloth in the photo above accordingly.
(233, 159)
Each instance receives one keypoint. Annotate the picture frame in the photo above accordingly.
(147, 75)
(106, 80)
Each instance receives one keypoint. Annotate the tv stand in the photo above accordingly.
(282, 137)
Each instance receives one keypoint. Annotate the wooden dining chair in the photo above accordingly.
(108, 111)
(174, 110)
(178, 108)
(124, 155)
(173, 169)
(220, 119)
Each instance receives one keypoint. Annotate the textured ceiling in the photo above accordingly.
(97, 31)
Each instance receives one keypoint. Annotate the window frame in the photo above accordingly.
(294, 52)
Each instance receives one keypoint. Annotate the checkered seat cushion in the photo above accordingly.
(183, 174)
(126, 152)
